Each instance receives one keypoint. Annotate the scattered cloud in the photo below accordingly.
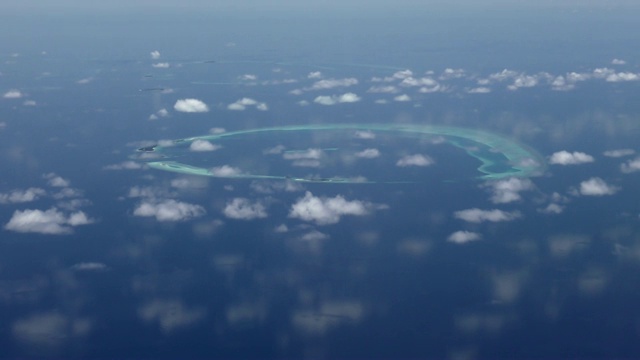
(200, 145)
(619, 153)
(89, 266)
(171, 315)
(243, 103)
(161, 65)
(52, 221)
(508, 190)
(168, 210)
(631, 166)
(618, 62)
(476, 215)
(13, 94)
(190, 106)
(333, 83)
(155, 55)
(55, 180)
(324, 211)
(622, 76)
(217, 130)
(84, 81)
(597, 187)
(383, 89)
(314, 75)
(125, 165)
(314, 235)
(21, 196)
(332, 100)
(270, 187)
(44, 332)
(479, 90)
(29, 103)
(225, 171)
(368, 153)
(414, 160)
(461, 237)
(566, 158)
(244, 209)
(364, 134)
(402, 98)
(248, 77)
(159, 114)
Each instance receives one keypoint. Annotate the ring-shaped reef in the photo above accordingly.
(499, 157)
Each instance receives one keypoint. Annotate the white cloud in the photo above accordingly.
(203, 145)
(270, 187)
(323, 211)
(262, 107)
(368, 153)
(168, 210)
(618, 62)
(476, 215)
(364, 134)
(49, 331)
(161, 65)
(225, 171)
(553, 208)
(425, 81)
(217, 130)
(623, 76)
(383, 89)
(313, 236)
(479, 90)
(461, 237)
(506, 191)
(402, 98)
(244, 209)
(190, 106)
(162, 112)
(89, 266)
(155, 55)
(597, 187)
(311, 154)
(278, 149)
(21, 196)
(243, 103)
(449, 73)
(29, 103)
(281, 229)
(314, 75)
(631, 166)
(55, 180)
(51, 221)
(566, 158)
(125, 165)
(619, 153)
(523, 80)
(332, 100)
(414, 160)
(13, 94)
(170, 314)
(601, 73)
(503, 75)
(333, 83)
(248, 77)
(84, 81)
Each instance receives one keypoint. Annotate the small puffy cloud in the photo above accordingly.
(461, 237)
(55, 180)
(414, 160)
(84, 81)
(190, 106)
(314, 75)
(597, 187)
(368, 153)
(383, 89)
(225, 171)
(623, 76)
(13, 94)
(619, 153)
(476, 215)
(171, 315)
(155, 55)
(21, 196)
(402, 98)
(29, 103)
(333, 83)
(508, 190)
(553, 208)
(281, 229)
(244, 209)
(278, 149)
(324, 211)
(168, 210)
(243, 103)
(630, 166)
(313, 236)
(52, 221)
(618, 62)
(89, 266)
(248, 77)
(566, 158)
(203, 145)
(125, 165)
(449, 73)
(159, 114)
(479, 90)
(503, 75)
(161, 65)
(364, 134)
(523, 81)
(332, 100)
(310, 154)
